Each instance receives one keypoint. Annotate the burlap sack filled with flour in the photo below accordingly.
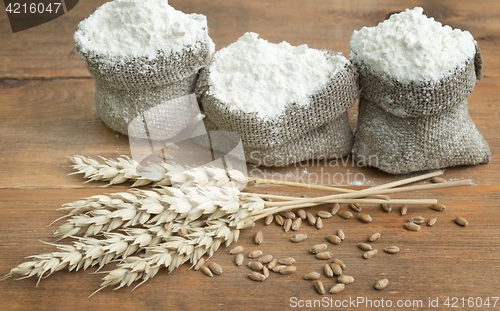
(138, 68)
(335, 99)
(412, 125)
(317, 129)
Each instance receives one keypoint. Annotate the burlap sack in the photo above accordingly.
(127, 87)
(407, 127)
(326, 105)
(333, 139)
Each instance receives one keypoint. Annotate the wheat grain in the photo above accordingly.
(318, 248)
(215, 268)
(265, 259)
(259, 237)
(287, 261)
(288, 270)
(328, 271)
(335, 209)
(256, 276)
(345, 279)
(238, 260)
(374, 237)
(296, 224)
(318, 285)
(381, 284)
(299, 237)
(311, 276)
(236, 250)
(337, 288)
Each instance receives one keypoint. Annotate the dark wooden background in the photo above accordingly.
(46, 113)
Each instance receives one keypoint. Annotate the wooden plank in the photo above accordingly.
(43, 121)
(48, 50)
(438, 262)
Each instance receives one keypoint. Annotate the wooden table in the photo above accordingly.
(47, 113)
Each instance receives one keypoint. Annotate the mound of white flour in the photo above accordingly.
(132, 28)
(254, 75)
(409, 46)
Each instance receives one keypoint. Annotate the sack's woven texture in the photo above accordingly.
(325, 105)
(333, 139)
(124, 88)
(407, 127)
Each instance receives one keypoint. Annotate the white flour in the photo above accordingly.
(254, 75)
(131, 28)
(409, 46)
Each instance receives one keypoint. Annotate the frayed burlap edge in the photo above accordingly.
(335, 99)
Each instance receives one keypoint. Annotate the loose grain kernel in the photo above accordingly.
(345, 279)
(365, 217)
(312, 276)
(369, 254)
(255, 265)
(318, 285)
(324, 255)
(391, 249)
(432, 221)
(206, 271)
(336, 268)
(256, 276)
(438, 207)
(403, 210)
(268, 220)
(334, 239)
(319, 223)
(287, 261)
(365, 246)
(386, 207)
(374, 237)
(412, 226)
(238, 260)
(255, 254)
(345, 214)
(259, 237)
(328, 271)
(341, 234)
(302, 214)
(288, 270)
(296, 224)
(335, 209)
(299, 237)
(324, 214)
(318, 248)
(461, 221)
(311, 219)
(381, 284)
(215, 268)
(337, 288)
(355, 207)
(438, 180)
(265, 259)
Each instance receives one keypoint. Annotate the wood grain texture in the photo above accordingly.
(48, 50)
(440, 261)
(44, 120)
